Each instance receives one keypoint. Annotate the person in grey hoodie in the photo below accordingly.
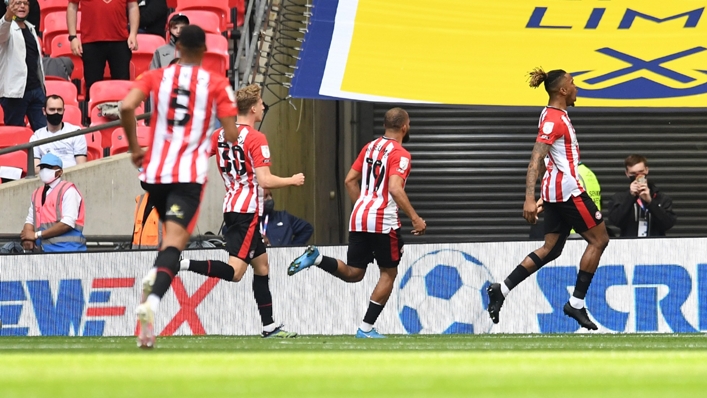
(165, 54)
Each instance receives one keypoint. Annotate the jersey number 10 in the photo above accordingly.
(376, 170)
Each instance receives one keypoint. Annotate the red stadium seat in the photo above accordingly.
(72, 114)
(65, 89)
(144, 137)
(216, 58)
(107, 134)
(2, 117)
(219, 7)
(119, 142)
(107, 91)
(94, 146)
(146, 46)
(205, 19)
(60, 47)
(14, 135)
(240, 7)
(48, 7)
(55, 25)
(16, 160)
(54, 78)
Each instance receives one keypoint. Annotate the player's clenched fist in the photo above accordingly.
(298, 179)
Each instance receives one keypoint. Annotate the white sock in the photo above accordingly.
(184, 265)
(366, 327)
(504, 289)
(576, 302)
(154, 302)
(269, 328)
(319, 259)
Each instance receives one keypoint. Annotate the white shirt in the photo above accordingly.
(13, 69)
(65, 149)
(69, 206)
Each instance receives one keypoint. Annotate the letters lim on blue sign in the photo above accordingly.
(639, 87)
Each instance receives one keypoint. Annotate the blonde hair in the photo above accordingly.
(246, 98)
(537, 77)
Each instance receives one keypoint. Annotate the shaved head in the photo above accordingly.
(395, 119)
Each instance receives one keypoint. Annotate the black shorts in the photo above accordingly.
(386, 249)
(579, 212)
(176, 202)
(242, 236)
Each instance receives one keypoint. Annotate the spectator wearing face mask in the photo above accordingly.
(642, 210)
(56, 214)
(165, 54)
(71, 151)
(280, 228)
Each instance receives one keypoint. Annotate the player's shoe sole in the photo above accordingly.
(373, 334)
(579, 315)
(146, 318)
(306, 260)
(147, 282)
(278, 333)
(496, 300)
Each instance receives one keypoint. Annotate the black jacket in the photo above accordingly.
(153, 17)
(624, 212)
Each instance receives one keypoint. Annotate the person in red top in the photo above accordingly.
(245, 169)
(104, 37)
(376, 185)
(173, 169)
(563, 199)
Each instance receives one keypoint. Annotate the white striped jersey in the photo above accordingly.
(561, 179)
(375, 210)
(237, 162)
(185, 103)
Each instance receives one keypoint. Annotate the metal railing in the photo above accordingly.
(30, 145)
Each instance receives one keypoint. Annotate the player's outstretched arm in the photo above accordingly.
(353, 185)
(230, 131)
(127, 121)
(271, 181)
(537, 162)
(397, 191)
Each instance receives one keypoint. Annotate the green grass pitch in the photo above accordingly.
(323, 366)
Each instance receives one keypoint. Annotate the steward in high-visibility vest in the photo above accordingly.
(590, 183)
(56, 218)
(148, 230)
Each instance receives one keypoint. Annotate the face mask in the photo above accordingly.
(268, 206)
(54, 118)
(47, 175)
(173, 40)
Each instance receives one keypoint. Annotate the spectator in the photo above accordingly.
(56, 214)
(71, 151)
(164, 55)
(642, 210)
(104, 37)
(153, 16)
(34, 11)
(280, 228)
(21, 71)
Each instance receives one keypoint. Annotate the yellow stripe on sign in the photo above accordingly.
(621, 52)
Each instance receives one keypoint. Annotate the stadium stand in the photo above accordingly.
(73, 115)
(146, 44)
(14, 135)
(63, 88)
(17, 160)
(216, 58)
(207, 20)
(219, 7)
(55, 25)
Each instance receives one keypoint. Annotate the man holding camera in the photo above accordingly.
(642, 210)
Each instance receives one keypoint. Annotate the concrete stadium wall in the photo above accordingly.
(109, 187)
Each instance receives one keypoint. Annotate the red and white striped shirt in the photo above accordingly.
(561, 179)
(375, 210)
(237, 162)
(185, 103)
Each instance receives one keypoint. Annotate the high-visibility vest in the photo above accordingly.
(47, 215)
(148, 230)
(590, 183)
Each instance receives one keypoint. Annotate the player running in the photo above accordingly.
(175, 167)
(245, 169)
(376, 185)
(563, 199)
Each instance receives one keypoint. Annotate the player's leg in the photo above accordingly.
(263, 297)
(178, 207)
(556, 232)
(359, 255)
(241, 238)
(388, 250)
(588, 222)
